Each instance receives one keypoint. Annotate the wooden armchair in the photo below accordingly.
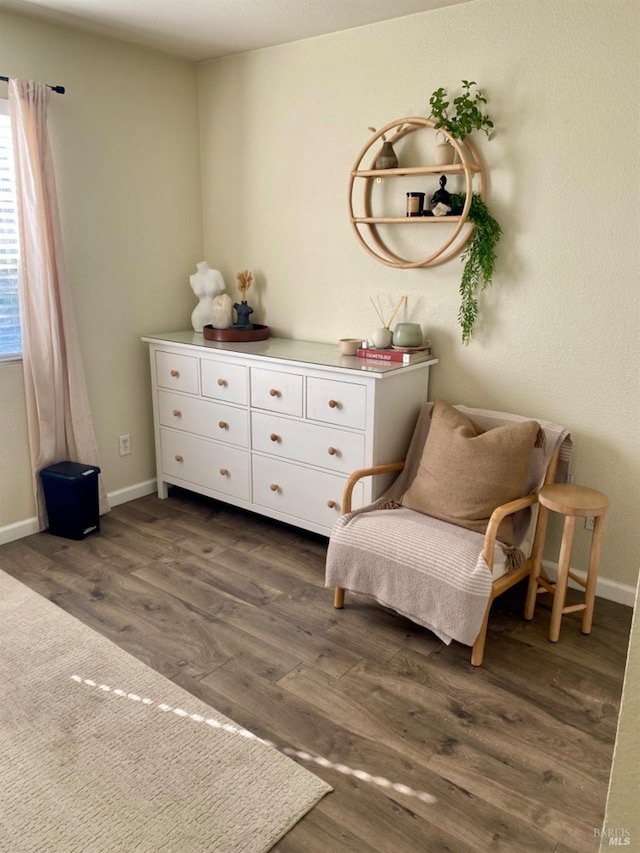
(426, 568)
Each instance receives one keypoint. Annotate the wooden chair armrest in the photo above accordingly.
(365, 472)
(497, 516)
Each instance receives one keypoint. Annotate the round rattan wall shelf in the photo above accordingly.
(364, 175)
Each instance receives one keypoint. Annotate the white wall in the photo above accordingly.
(280, 130)
(126, 151)
(558, 332)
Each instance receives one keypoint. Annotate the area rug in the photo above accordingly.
(99, 753)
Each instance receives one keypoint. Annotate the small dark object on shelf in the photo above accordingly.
(243, 311)
(415, 204)
(441, 196)
(441, 200)
(387, 158)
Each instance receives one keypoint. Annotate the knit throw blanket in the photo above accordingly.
(439, 580)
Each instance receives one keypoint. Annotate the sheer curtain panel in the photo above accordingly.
(59, 419)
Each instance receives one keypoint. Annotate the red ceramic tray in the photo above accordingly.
(258, 333)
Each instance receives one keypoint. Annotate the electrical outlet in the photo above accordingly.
(124, 444)
(588, 522)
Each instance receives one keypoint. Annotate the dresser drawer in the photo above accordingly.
(178, 372)
(276, 392)
(314, 496)
(205, 418)
(219, 467)
(339, 403)
(224, 381)
(326, 447)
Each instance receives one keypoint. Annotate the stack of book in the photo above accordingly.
(404, 356)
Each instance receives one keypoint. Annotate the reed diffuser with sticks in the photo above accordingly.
(382, 337)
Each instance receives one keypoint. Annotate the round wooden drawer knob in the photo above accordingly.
(222, 383)
(224, 472)
(274, 392)
(175, 373)
(332, 451)
(331, 504)
(179, 458)
(274, 437)
(177, 413)
(274, 487)
(333, 404)
(223, 425)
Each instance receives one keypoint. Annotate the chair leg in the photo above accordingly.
(477, 652)
(536, 562)
(560, 593)
(592, 574)
(338, 597)
(532, 591)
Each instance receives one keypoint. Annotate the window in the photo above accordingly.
(10, 339)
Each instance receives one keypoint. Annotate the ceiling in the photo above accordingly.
(208, 29)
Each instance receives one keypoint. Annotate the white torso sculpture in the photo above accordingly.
(205, 283)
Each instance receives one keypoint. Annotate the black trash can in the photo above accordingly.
(71, 495)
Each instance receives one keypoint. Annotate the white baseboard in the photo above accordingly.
(621, 593)
(131, 493)
(20, 529)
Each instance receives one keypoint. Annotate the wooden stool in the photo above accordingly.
(573, 502)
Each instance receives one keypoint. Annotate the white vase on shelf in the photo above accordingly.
(222, 312)
(381, 338)
(444, 154)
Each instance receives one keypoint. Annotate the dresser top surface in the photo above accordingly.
(287, 350)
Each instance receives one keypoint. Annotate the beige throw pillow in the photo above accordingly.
(465, 473)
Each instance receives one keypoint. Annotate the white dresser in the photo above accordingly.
(277, 426)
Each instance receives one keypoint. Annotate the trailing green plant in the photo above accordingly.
(479, 257)
(467, 115)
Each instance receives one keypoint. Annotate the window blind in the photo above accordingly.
(10, 339)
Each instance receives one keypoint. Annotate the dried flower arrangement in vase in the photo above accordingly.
(243, 310)
(243, 330)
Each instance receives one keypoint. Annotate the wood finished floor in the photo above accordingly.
(232, 607)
